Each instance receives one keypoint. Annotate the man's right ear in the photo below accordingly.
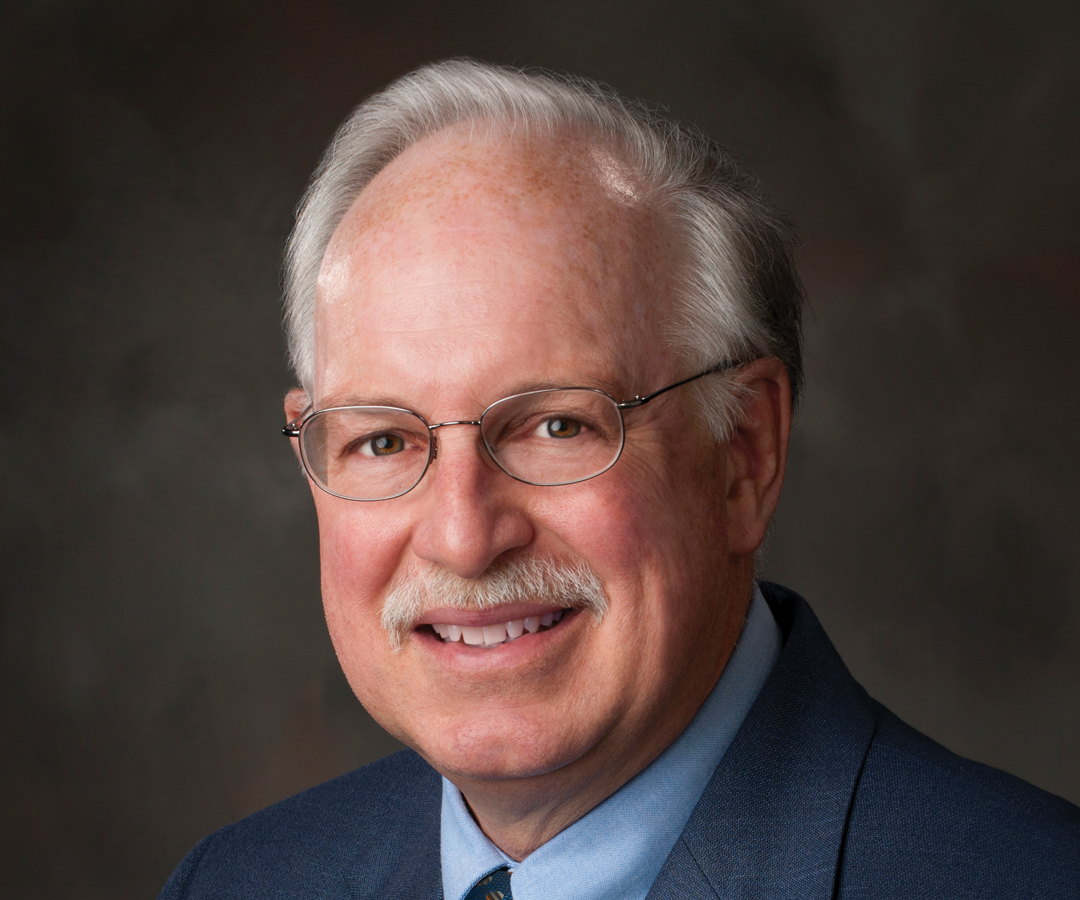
(296, 401)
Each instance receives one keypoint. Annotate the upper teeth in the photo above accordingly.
(502, 632)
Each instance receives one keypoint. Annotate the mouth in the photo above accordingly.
(497, 633)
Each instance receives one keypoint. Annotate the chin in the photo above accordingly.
(486, 754)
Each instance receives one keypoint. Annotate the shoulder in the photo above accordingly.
(910, 819)
(930, 823)
(366, 824)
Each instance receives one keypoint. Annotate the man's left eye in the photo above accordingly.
(560, 428)
(383, 445)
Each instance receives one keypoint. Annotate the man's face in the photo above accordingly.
(469, 270)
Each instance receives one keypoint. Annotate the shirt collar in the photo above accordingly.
(616, 850)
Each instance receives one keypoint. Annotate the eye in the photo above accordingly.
(560, 427)
(382, 445)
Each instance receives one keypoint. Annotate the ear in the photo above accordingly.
(757, 454)
(296, 401)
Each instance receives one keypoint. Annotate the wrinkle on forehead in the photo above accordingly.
(579, 202)
(537, 175)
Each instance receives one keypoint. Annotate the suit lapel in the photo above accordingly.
(771, 821)
(681, 878)
(406, 863)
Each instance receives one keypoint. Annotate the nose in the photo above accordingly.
(470, 512)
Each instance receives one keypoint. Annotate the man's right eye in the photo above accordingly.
(559, 427)
(381, 445)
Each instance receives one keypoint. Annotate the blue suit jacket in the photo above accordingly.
(822, 794)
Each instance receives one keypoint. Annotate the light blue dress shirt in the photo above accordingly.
(616, 850)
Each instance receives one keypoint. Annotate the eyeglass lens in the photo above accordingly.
(543, 438)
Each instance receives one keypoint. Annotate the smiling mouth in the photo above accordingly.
(499, 633)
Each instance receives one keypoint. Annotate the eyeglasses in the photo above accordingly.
(544, 438)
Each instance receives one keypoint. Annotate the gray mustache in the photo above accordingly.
(518, 580)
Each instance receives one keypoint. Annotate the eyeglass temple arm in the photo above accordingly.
(640, 401)
(293, 428)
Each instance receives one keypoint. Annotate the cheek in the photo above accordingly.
(358, 544)
(359, 556)
(641, 510)
(648, 543)
(657, 532)
(596, 520)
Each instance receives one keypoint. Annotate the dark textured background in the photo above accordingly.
(164, 665)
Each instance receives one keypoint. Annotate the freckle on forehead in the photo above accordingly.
(559, 179)
(574, 205)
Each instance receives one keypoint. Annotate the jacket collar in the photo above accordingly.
(771, 821)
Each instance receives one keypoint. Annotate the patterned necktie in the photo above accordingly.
(495, 886)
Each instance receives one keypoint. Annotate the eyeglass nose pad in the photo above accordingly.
(434, 446)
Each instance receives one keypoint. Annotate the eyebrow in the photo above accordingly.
(336, 400)
(522, 387)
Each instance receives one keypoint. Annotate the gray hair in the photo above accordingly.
(739, 296)
(519, 579)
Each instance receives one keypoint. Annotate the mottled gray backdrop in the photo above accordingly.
(164, 665)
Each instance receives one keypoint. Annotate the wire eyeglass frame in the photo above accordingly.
(295, 429)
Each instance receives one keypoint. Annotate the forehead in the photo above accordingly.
(465, 242)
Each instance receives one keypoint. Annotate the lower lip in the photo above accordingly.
(471, 657)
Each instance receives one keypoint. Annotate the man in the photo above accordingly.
(548, 349)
